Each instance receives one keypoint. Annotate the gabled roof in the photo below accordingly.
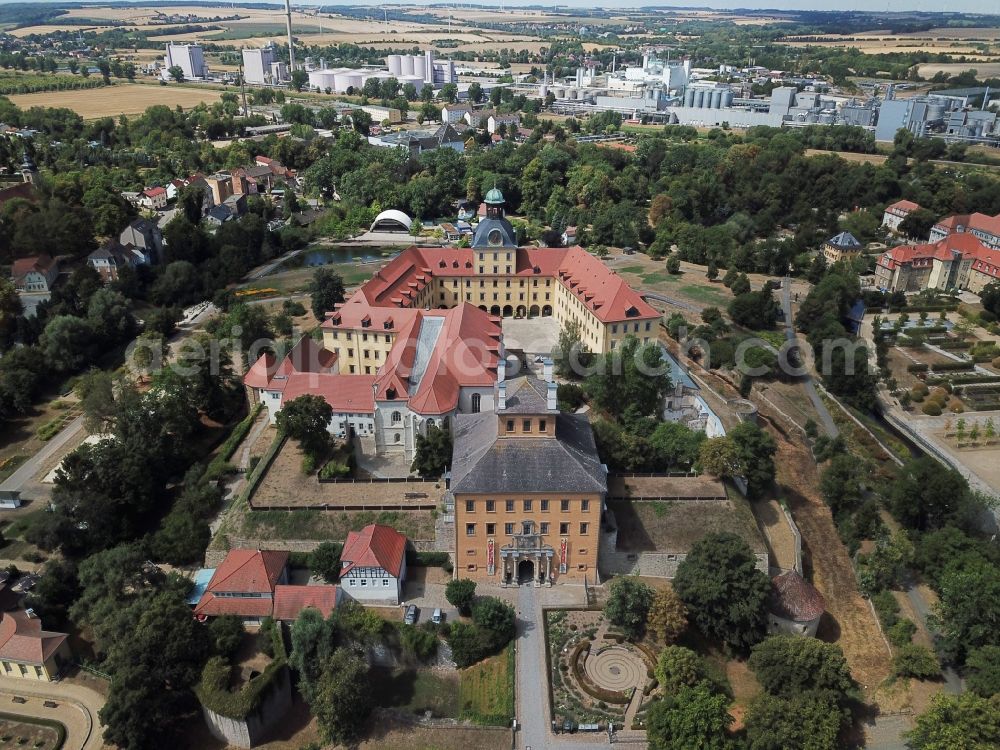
(375, 546)
(22, 638)
(903, 206)
(39, 263)
(483, 461)
(793, 598)
(249, 571)
(951, 247)
(154, 192)
(289, 601)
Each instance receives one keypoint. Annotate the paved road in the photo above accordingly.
(952, 682)
(34, 464)
(810, 386)
(77, 708)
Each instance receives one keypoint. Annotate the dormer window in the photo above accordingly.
(390, 393)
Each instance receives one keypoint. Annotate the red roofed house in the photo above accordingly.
(895, 213)
(35, 275)
(794, 606)
(153, 198)
(243, 585)
(28, 651)
(986, 228)
(959, 261)
(373, 564)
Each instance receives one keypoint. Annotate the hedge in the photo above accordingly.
(427, 559)
(217, 466)
(965, 379)
(918, 367)
(887, 608)
(953, 366)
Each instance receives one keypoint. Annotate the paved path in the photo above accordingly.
(34, 464)
(807, 382)
(77, 708)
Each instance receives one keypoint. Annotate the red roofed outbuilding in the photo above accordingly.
(794, 606)
(243, 585)
(289, 601)
(373, 564)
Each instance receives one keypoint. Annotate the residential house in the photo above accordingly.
(984, 227)
(35, 275)
(145, 239)
(221, 185)
(568, 236)
(476, 118)
(173, 188)
(373, 564)
(153, 199)
(540, 523)
(216, 216)
(27, 651)
(452, 113)
(447, 137)
(896, 212)
(842, 247)
(243, 585)
(109, 259)
(510, 122)
(450, 232)
(289, 601)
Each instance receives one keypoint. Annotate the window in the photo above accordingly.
(525, 527)
(385, 581)
(470, 566)
(491, 506)
(526, 425)
(470, 506)
(543, 528)
(350, 352)
(397, 417)
(564, 505)
(509, 506)
(527, 505)
(544, 504)
(470, 529)
(510, 425)
(541, 425)
(564, 528)
(397, 438)
(508, 529)
(491, 529)
(585, 505)
(584, 527)
(364, 581)
(476, 403)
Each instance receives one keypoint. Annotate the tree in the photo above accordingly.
(693, 717)
(449, 92)
(673, 264)
(983, 671)
(497, 618)
(326, 290)
(712, 273)
(475, 93)
(917, 224)
(633, 377)
(755, 451)
(299, 79)
(786, 665)
(808, 721)
(433, 452)
(957, 722)
(461, 593)
(723, 590)
(342, 698)
(679, 667)
(571, 350)
(177, 73)
(740, 285)
(307, 420)
(10, 311)
(324, 561)
(426, 92)
(313, 640)
(915, 660)
(667, 618)
(227, 634)
(55, 592)
(110, 317)
(361, 121)
(629, 600)
(755, 310)
(66, 343)
(720, 457)
(927, 495)
(969, 602)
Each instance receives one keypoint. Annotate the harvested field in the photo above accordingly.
(122, 99)
(983, 69)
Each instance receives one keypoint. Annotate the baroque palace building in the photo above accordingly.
(420, 342)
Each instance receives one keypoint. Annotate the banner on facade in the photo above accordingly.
(563, 554)
(490, 567)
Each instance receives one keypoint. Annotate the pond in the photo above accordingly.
(323, 255)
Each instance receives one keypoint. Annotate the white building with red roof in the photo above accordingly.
(896, 212)
(958, 261)
(373, 565)
(154, 198)
(253, 584)
(984, 227)
(29, 652)
(34, 275)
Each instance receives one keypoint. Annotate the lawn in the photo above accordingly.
(417, 691)
(486, 690)
(318, 524)
(654, 279)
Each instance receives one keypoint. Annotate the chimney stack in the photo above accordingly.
(547, 369)
(501, 396)
(552, 400)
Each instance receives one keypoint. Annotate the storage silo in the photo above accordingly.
(406, 63)
(429, 66)
(418, 67)
(699, 98)
(717, 99)
(395, 64)
(935, 111)
(689, 98)
(727, 98)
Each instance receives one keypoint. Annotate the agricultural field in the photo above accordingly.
(486, 690)
(983, 69)
(123, 99)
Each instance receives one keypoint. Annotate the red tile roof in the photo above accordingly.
(902, 207)
(375, 546)
(249, 571)
(968, 222)
(22, 638)
(153, 192)
(947, 249)
(261, 372)
(23, 266)
(289, 601)
(347, 394)
(216, 606)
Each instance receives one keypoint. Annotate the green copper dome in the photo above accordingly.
(494, 197)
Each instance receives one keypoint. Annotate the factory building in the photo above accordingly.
(188, 57)
(261, 66)
(416, 69)
(425, 67)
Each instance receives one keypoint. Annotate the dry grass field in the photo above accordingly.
(123, 99)
(984, 69)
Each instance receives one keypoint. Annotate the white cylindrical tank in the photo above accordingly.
(395, 64)
(406, 65)
(429, 66)
(418, 67)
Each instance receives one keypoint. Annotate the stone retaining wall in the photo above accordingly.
(251, 731)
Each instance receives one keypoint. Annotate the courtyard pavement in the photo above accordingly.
(530, 335)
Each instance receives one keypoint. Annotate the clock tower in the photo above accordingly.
(494, 231)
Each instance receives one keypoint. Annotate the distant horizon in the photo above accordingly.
(983, 7)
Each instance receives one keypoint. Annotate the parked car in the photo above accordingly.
(438, 617)
(412, 613)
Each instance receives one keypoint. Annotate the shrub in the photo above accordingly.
(887, 608)
(677, 667)
(912, 660)
(932, 409)
(901, 633)
(334, 470)
(917, 367)
(956, 406)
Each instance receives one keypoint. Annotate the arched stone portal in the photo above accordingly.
(533, 311)
(495, 310)
(508, 311)
(546, 311)
(525, 571)
(522, 311)
(483, 308)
